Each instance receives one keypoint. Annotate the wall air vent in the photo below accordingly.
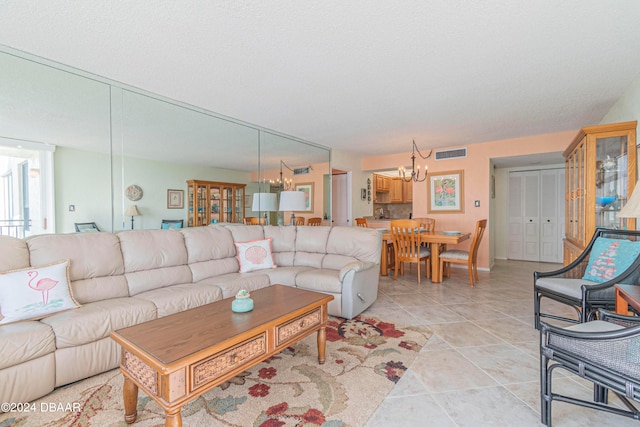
(451, 154)
(302, 171)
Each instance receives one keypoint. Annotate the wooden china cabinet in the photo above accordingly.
(600, 177)
(210, 202)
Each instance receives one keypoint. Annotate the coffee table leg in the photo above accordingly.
(322, 344)
(173, 420)
(130, 394)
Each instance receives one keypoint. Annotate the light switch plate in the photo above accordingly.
(477, 203)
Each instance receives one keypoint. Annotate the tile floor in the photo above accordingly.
(481, 366)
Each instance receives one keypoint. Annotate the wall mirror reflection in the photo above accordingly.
(76, 147)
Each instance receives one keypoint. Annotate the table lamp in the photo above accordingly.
(264, 202)
(132, 211)
(292, 201)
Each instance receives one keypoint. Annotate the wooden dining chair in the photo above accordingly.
(362, 222)
(315, 221)
(300, 220)
(470, 257)
(428, 224)
(407, 248)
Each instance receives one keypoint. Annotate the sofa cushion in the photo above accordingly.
(283, 275)
(358, 242)
(176, 298)
(97, 268)
(283, 244)
(245, 233)
(208, 243)
(312, 239)
(35, 292)
(230, 284)
(154, 259)
(15, 253)
(254, 255)
(610, 258)
(322, 280)
(97, 320)
(23, 341)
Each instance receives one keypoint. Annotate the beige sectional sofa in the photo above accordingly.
(134, 276)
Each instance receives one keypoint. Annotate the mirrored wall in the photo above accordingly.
(114, 147)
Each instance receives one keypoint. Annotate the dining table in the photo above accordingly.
(435, 239)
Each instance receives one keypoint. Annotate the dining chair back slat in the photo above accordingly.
(406, 245)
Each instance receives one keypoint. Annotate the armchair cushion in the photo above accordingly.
(609, 258)
(569, 287)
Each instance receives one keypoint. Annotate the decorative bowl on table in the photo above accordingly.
(605, 200)
(242, 303)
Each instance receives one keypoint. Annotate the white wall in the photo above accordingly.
(349, 162)
(627, 107)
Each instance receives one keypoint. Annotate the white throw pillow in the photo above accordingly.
(35, 292)
(255, 255)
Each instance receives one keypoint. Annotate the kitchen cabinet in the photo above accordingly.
(382, 183)
(407, 191)
(210, 202)
(600, 170)
(395, 191)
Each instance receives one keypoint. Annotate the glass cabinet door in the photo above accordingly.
(227, 196)
(201, 201)
(612, 180)
(239, 204)
(214, 204)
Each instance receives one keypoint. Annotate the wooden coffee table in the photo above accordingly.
(177, 358)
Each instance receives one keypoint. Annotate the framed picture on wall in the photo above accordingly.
(175, 199)
(445, 192)
(307, 189)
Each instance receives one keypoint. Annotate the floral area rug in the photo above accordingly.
(365, 357)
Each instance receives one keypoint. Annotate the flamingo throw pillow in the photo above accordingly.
(35, 292)
(254, 255)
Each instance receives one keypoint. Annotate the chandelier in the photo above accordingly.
(283, 184)
(415, 176)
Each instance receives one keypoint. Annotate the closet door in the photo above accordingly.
(551, 215)
(531, 220)
(536, 215)
(516, 216)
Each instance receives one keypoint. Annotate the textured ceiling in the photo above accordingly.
(362, 76)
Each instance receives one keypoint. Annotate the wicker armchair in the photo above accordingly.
(605, 352)
(567, 286)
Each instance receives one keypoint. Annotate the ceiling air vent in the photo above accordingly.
(451, 154)
(302, 171)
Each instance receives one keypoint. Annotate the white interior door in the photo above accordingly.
(339, 200)
(531, 199)
(536, 215)
(551, 210)
(516, 217)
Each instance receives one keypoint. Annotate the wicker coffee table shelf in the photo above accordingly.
(177, 358)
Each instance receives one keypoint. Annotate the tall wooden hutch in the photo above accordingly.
(600, 177)
(209, 202)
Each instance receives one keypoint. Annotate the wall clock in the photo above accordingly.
(134, 193)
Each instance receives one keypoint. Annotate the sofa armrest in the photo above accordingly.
(355, 266)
